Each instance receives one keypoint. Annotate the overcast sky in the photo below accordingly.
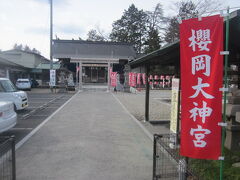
(27, 21)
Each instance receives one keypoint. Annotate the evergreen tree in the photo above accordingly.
(153, 41)
(131, 28)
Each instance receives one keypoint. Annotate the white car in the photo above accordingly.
(8, 117)
(8, 92)
(23, 84)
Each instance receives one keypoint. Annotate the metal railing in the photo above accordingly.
(167, 163)
(7, 158)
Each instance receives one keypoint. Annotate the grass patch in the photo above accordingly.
(210, 169)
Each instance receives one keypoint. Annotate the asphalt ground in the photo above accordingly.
(91, 137)
(42, 103)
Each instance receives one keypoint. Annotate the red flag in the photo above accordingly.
(150, 80)
(138, 78)
(144, 78)
(162, 81)
(134, 79)
(156, 78)
(201, 78)
(168, 81)
(130, 79)
(114, 79)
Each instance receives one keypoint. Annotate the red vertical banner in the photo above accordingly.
(114, 79)
(156, 79)
(162, 81)
(138, 78)
(77, 68)
(134, 82)
(144, 78)
(150, 79)
(201, 78)
(130, 79)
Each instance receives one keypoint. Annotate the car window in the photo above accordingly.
(1, 88)
(7, 86)
(23, 81)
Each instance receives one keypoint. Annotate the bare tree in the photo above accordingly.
(94, 36)
(35, 51)
(186, 10)
(155, 21)
(18, 46)
(27, 48)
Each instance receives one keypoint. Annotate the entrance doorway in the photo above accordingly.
(94, 74)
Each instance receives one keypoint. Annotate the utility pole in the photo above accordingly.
(51, 58)
(51, 12)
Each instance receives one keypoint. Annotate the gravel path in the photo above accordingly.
(159, 108)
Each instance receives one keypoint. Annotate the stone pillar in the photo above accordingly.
(108, 77)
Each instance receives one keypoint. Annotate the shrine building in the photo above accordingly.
(90, 61)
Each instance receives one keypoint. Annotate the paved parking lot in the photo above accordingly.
(42, 103)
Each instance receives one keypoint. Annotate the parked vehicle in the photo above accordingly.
(8, 117)
(34, 83)
(23, 84)
(8, 92)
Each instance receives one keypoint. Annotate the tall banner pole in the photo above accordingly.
(225, 93)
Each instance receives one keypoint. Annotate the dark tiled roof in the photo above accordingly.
(92, 49)
(28, 52)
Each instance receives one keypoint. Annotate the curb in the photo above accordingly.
(134, 119)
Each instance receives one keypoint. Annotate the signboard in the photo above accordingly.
(174, 105)
(114, 79)
(52, 78)
(201, 78)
